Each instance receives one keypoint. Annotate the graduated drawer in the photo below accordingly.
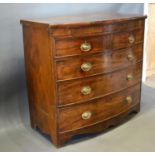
(75, 91)
(102, 43)
(98, 63)
(89, 113)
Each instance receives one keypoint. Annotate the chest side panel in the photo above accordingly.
(40, 77)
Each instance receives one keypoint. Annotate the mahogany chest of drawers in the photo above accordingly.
(83, 72)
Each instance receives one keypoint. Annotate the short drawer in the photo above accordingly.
(89, 113)
(98, 63)
(127, 39)
(82, 45)
(84, 89)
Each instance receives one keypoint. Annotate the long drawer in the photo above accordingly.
(97, 29)
(98, 63)
(88, 88)
(80, 116)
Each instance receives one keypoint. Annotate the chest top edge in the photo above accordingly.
(83, 20)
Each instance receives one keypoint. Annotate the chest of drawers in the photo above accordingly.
(83, 72)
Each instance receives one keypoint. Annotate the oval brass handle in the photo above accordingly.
(129, 77)
(129, 99)
(130, 57)
(85, 47)
(86, 66)
(86, 115)
(86, 90)
(131, 39)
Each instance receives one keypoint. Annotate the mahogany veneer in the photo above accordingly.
(83, 72)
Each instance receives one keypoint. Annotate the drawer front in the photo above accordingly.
(98, 63)
(88, 88)
(72, 47)
(86, 30)
(127, 26)
(98, 110)
(127, 39)
(96, 29)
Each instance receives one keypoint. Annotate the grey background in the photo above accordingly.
(14, 114)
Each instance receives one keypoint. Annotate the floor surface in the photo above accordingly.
(137, 134)
(150, 81)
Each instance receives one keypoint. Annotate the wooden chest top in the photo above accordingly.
(85, 19)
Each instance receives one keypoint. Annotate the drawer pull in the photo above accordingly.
(130, 57)
(131, 39)
(86, 115)
(85, 47)
(129, 99)
(129, 77)
(86, 66)
(86, 90)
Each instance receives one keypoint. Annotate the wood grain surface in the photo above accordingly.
(101, 85)
(53, 59)
(101, 63)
